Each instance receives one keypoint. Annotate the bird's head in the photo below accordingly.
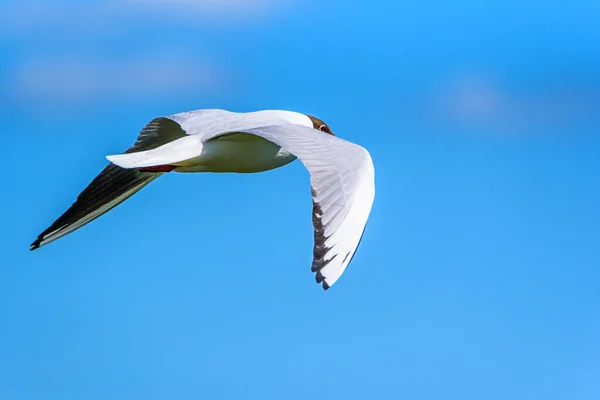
(320, 125)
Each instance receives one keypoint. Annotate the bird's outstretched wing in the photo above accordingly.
(343, 189)
(113, 185)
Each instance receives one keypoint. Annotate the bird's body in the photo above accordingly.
(342, 175)
(238, 152)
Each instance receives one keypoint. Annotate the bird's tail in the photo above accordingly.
(110, 188)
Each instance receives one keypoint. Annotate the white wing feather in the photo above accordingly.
(182, 149)
(343, 189)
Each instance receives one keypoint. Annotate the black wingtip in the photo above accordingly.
(35, 245)
(319, 277)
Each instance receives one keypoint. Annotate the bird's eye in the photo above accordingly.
(324, 128)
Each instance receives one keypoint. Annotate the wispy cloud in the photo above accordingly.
(225, 8)
(85, 81)
(27, 17)
(488, 104)
(76, 52)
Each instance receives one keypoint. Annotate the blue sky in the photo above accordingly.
(477, 277)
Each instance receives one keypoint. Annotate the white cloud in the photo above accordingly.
(26, 17)
(87, 81)
(489, 104)
(473, 97)
(67, 48)
(251, 8)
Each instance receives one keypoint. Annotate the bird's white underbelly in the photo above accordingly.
(238, 152)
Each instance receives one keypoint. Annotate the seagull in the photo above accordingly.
(341, 173)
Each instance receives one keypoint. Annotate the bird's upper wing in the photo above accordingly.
(343, 188)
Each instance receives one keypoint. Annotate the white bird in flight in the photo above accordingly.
(341, 173)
